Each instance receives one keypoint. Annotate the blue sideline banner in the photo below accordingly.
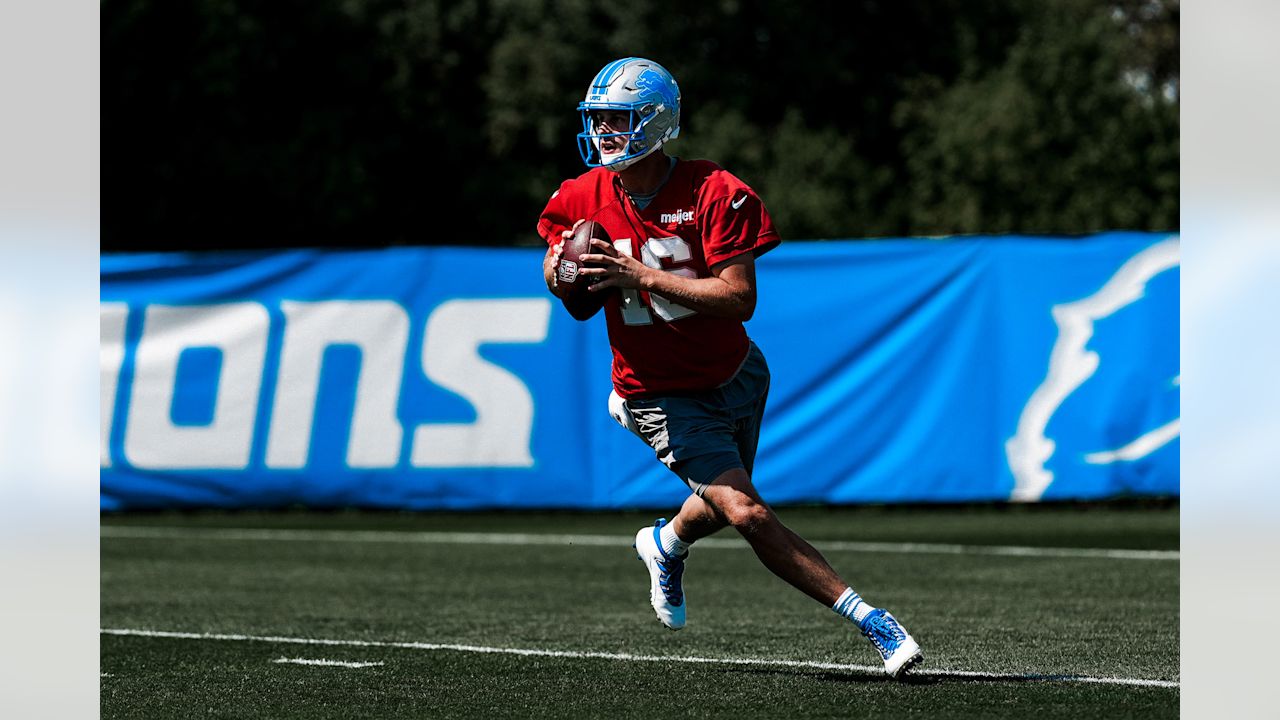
(947, 370)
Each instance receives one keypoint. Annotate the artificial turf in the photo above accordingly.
(1019, 617)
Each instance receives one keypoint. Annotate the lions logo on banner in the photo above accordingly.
(1089, 331)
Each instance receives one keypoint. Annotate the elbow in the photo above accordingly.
(748, 304)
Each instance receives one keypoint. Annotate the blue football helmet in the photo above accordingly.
(646, 91)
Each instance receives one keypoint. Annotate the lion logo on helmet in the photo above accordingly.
(655, 89)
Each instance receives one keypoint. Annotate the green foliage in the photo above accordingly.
(232, 123)
(812, 178)
(1052, 140)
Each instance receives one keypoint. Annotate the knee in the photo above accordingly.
(746, 515)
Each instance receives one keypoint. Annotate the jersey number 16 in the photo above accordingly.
(652, 252)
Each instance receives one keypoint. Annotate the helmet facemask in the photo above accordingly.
(635, 140)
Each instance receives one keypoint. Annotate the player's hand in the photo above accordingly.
(618, 270)
(551, 261)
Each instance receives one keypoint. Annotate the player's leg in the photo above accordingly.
(664, 547)
(791, 558)
(697, 439)
(741, 403)
(658, 546)
(781, 550)
(697, 519)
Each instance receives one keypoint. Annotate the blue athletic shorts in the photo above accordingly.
(699, 436)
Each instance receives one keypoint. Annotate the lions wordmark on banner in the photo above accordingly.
(378, 329)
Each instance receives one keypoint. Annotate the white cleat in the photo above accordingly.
(666, 575)
(897, 648)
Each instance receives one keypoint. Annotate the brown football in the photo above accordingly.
(571, 285)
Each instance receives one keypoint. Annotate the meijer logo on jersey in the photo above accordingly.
(678, 216)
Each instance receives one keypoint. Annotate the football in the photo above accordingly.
(571, 285)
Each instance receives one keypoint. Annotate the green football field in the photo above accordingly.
(1049, 611)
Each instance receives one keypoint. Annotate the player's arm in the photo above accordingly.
(730, 291)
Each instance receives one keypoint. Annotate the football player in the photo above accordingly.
(680, 280)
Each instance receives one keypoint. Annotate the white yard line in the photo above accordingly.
(467, 538)
(861, 669)
(327, 663)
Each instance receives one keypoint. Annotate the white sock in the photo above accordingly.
(671, 543)
(852, 606)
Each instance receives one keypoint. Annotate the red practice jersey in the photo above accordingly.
(700, 218)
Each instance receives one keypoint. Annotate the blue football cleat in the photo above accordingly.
(666, 575)
(898, 649)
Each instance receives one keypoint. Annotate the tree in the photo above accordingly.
(1057, 138)
(245, 123)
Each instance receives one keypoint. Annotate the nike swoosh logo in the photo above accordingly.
(738, 203)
